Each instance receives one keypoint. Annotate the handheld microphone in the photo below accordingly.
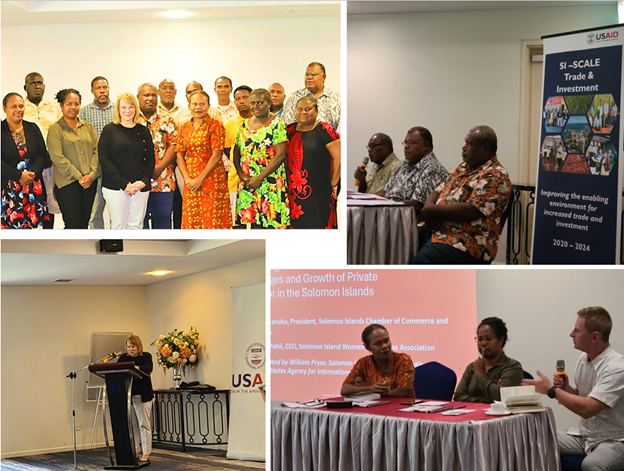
(364, 164)
(560, 367)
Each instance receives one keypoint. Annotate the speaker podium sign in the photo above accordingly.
(578, 199)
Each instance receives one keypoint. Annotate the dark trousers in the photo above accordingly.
(75, 203)
(443, 254)
(177, 209)
(159, 208)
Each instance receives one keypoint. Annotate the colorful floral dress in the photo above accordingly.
(210, 207)
(399, 372)
(23, 207)
(267, 205)
(310, 166)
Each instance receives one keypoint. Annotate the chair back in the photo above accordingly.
(526, 375)
(433, 380)
(508, 210)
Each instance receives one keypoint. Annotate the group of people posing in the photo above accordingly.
(459, 214)
(599, 161)
(598, 397)
(260, 161)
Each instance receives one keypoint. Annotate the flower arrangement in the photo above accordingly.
(178, 349)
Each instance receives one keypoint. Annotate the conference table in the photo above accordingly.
(381, 438)
(380, 231)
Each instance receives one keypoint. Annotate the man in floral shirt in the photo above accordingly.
(419, 174)
(164, 135)
(464, 212)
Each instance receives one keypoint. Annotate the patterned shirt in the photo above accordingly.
(380, 174)
(416, 182)
(97, 116)
(399, 372)
(164, 135)
(174, 109)
(228, 111)
(44, 115)
(603, 379)
(328, 106)
(488, 188)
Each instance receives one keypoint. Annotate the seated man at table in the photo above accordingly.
(464, 212)
(383, 372)
(384, 164)
(419, 174)
(598, 397)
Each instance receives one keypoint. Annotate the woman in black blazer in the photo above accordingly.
(142, 395)
(24, 156)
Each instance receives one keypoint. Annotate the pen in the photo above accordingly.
(460, 407)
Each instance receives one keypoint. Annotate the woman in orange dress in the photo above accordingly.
(205, 201)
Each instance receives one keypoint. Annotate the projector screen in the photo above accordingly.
(317, 318)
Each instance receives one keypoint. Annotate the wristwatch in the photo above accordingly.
(551, 393)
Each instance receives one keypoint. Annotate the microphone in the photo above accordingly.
(111, 356)
(560, 367)
(364, 164)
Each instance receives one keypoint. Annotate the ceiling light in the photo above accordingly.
(176, 14)
(160, 272)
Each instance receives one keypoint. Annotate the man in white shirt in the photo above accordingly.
(598, 397)
(223, 89)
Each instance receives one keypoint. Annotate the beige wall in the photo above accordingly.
(129, 54)
(204, 301)
(540, 306)
(40, 341)
(44, 330)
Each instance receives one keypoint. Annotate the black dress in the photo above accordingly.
(23, 207)
(310, 165)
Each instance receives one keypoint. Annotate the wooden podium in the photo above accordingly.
(118, 378)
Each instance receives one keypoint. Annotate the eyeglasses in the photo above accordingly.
(69, 103)
(372, 146)
(487, 339)
(305, 110)
(311, 74)
(409, 143)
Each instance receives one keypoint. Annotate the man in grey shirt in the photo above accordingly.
(598, 397)
(99, 112)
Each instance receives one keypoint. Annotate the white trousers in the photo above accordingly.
(126, 212)
(142, 420)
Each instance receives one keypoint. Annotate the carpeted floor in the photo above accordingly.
(161, 460)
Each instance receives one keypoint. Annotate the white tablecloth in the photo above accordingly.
(381, 235)
(320, 440)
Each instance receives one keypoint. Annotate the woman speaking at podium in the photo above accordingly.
(142, 395)
(384, 372)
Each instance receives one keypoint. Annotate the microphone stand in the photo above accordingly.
(72, 376)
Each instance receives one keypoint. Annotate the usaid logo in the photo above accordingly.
(600, 37)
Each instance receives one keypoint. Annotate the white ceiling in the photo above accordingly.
(39, 12)
(40, 262)
(381, 7)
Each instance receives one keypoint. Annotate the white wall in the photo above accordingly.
(540, 306)
(44, 330)
(203, 300)
(254, 52)
(448, 72)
